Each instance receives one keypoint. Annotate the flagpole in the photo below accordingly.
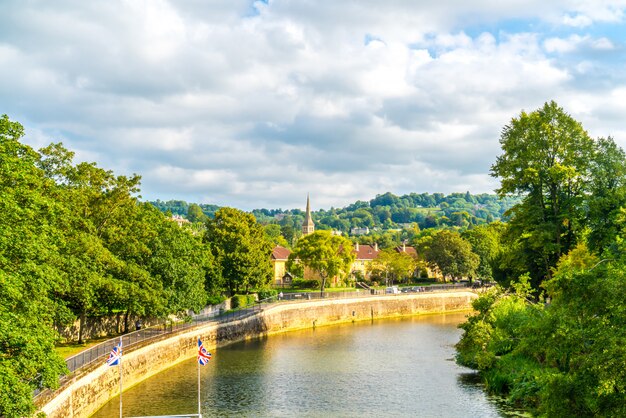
(121, 386)
(198, 367)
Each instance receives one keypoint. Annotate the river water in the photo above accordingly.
(385, 368)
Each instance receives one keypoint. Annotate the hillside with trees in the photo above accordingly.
(384, 213)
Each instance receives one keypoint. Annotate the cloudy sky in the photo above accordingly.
(255, 103)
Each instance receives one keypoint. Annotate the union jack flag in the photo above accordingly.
(115, 355)
(203, 355)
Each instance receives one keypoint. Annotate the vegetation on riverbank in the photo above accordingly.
(552, 337)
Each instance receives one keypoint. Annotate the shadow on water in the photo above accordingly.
(471, 381)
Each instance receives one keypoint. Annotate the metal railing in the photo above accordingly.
(302, 296)
(131, 339)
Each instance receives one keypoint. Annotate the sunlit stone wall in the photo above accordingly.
(86, 393)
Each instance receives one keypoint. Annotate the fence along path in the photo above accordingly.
(98, 353)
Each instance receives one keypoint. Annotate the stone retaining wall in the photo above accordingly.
(85, 394)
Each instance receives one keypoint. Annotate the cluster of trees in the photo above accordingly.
(392, 265)
(552, 337)
(75, 241)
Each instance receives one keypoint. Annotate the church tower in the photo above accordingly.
(308, 226)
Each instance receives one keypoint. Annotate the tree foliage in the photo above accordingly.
(28, 275)
(241, 250)
(74, 242)
(328, 255)
(547, 159)
(563, 356)
(393, 265)
(449, 253)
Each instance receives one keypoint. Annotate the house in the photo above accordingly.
(279, 258)
(180, 220)
(365, 254)
(359, 231)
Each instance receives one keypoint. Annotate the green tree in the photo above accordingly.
(241, 249)
(559, 359)
(28, 275)
(546, 160)
(328, 255)
(607, 194)
(392, 264)
(451, 255)
(195, 214)
(273, 232)
(485, 241)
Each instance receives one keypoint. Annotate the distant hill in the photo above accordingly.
(384, 212)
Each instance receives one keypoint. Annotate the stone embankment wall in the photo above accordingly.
(86, 393)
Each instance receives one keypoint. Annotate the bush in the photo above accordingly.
(241, 301)
(215, 300)
(267, 293)
(306, 284)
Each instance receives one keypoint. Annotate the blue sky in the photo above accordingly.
(256, 104)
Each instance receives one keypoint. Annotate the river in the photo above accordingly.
(385, 368)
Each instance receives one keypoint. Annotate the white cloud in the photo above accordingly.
(576, 42)
(577, 21)
(250, 104)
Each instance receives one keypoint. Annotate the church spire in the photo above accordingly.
(308, 226)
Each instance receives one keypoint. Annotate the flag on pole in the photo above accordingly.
(115, 355)
(203, 355)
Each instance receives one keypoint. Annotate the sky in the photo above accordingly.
(254, 104)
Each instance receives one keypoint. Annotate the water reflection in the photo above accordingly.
(386, 368)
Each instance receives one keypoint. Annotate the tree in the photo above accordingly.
(328, 255)
(273, 232)
(564, 358)
(393, 264)
(485, 241)
(241, 249)
(546, 160)
(195, 214)
(451, 255)
(607, 194)
(28, 275)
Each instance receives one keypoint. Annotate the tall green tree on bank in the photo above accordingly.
(241, 249)
(28, 275)
(449, 253)
(546, 160)
(565, 357)
(326, 254)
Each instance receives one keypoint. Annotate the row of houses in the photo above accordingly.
(365, 254)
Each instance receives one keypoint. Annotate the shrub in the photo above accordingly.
(241, 301)
(306, 284)
(267, 293)
(215, 300)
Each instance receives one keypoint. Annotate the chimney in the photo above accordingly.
(375, 246)
(356, 246)
(403, 246)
